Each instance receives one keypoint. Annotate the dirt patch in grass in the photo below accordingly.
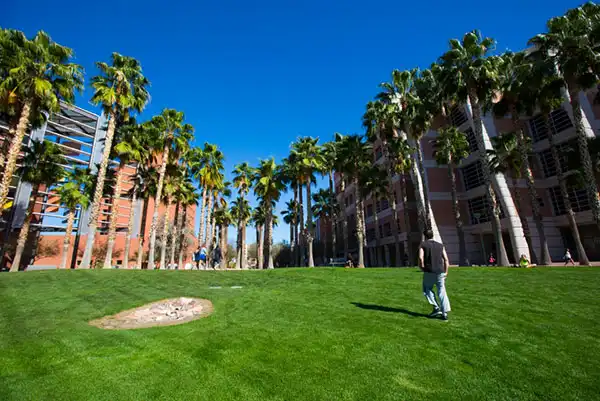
(166, 312)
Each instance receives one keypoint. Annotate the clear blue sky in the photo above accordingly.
(251, 76)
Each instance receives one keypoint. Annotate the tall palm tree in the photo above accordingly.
(505, 157)
(450, 148)
(41, 166)
(129, 148)
(120, 89)
(309, 158)
(571, 44)
(290, 217)
(374, 183)
(324, 208)
(259, 220)
(173, 136)
(214, 181)
(182, 191)
(198, 167)
(515, 72)
(357, 155)
(476, 77)
(267, 187)
(221, 192)
(339, 166)
(241, 212)
(189, 198)
(290, 176)
(173, 181)
(146, 181)
(543, 93)
(74, 193)
(329, 159)
(402, 152)
(37, 76)
(223, 218)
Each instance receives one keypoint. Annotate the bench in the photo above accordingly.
(333, 262)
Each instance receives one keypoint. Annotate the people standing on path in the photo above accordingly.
(203, 256)
(434, 263)
(492, 260)
(197, 258)
(568, 258)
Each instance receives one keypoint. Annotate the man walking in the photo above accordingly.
(434, 263)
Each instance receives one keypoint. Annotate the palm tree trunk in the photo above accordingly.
(378, 258)
(24, 230)
(301, 239)
(98, 193)
(67, 239)
(129, 228)
(260, 250)
(13, 153)
(334, 220)
(532, 192)
(460, 232)
(165, 236)
(344, 220)
(493, 208)
(239, 244)
(114, 217)
(140, 256)
(407, 242)
(269, 236)
(309, 226)
(244, 246)
(175, 235)
(209, 219)
(212, 232)
(181, 240)
(159, 189)
(392, 200)
(583, 259)
(421, 168)
(524, 223)
(223, 239)
(202, 221)
(359, 225)
(588, 168)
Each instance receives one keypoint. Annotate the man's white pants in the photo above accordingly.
(438, 279)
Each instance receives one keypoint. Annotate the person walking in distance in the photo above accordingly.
(197, 258)
(568, 258)
(434, 263)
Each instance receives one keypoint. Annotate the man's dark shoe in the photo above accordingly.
(435, 313)
(445, 317)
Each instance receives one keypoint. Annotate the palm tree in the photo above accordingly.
(189, 198)
(476, 77)
(182, 191)
(172, 136)
(38, 75)
(41, 166)
(290, 176)
(329, 159)
(339, 166)
(357, 156)
(173, 182)
(309, 158)
(543, 93)
(241, 212)
(374, 183)
(505, 157)
(290, 217)
(146, 181)
(120, 89)
(450, 148)
(515, 73)
(214, 181)
(267, 187)
(402, 152)
(324, 208)
(198, 167)
(74, 193)
(571, 44)
(259, 220)
(223, 218)
(130, 147)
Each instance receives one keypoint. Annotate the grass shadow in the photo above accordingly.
(389, 309)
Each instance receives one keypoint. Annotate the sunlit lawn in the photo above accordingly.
(300, 334)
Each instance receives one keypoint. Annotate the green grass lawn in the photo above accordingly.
(300, 334)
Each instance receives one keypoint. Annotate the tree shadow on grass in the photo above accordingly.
(389, 309)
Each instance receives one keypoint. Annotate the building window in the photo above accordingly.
(479, 210)
(387, 230)
(370, 234)
(547, 161)
(378, 153)
(369, 210)
(578, 198)
(472, 175)
(458, 116)
(558, 121)
(470, 134)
